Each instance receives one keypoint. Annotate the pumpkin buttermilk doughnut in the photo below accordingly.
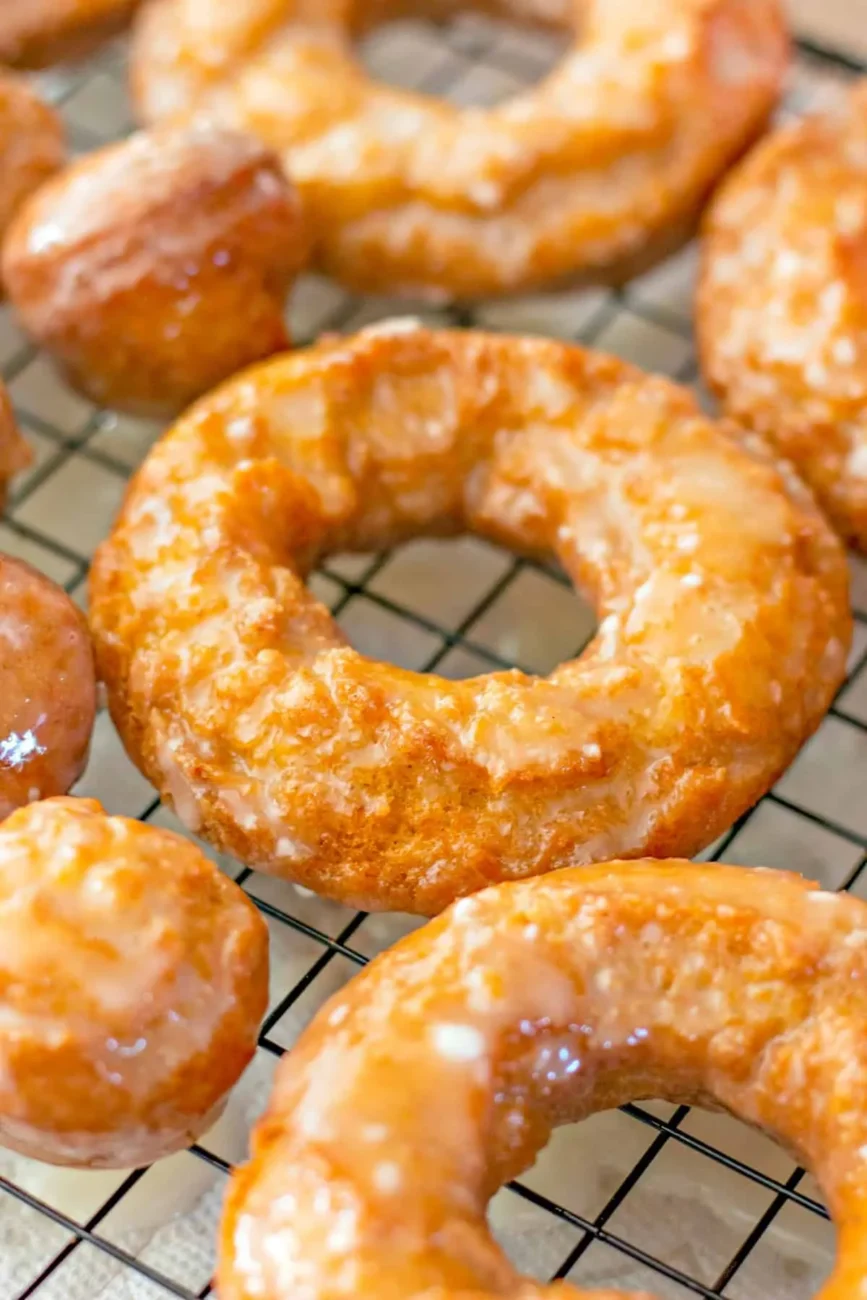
(438, 1073)
(782, 306)
(47, 681)
(31, 145)
(721, 591)
(154, 268)
(133, 976)
(587, 175)
(42, 32)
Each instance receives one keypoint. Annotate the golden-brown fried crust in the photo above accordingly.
(157, 267)
(782, 303)
(31, 145)
(439, 1072)
(133, 976)
(577, 178)
(15, 455)
(47, 687)
(39, 33)
(722, 594)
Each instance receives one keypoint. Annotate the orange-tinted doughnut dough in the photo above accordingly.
(36, 33)
(31, 145)
(15, 455)
(133, 976)
(157, 267)
(596, 169)
(47, 681)
(722, 597)
(439, 1072)
(47, 687)
(782, 302)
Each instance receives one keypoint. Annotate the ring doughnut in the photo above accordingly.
(155, 268)
(439, 1072)
(782, 318)
(133, 977)
(31, 145)
(42, 32)
(721, 590)
(588, 175)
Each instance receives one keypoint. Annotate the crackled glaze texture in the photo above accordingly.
(439, 1072)
(31, 145)
(782, 306)
(133, 976)
(721, 591)
(587, 175)
(38, 33)
(155, 268)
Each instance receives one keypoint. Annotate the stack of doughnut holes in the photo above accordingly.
(577, 960)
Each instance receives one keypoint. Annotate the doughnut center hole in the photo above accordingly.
(466, 58)
(685, 1210)
(457, 607)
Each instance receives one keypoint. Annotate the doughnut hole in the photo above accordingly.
(47, 688)
(133, 977)
(474, 55)
(155, 268)
(31, 145)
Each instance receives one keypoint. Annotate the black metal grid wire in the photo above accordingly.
(59, 447)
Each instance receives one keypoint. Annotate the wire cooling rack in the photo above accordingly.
(673, 1201)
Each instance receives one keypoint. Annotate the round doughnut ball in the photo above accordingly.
(439, 1073)
(41, 32)
(588, 175)
(156, 267)
(31, 145)
(15, 455)
(47, 687)
(721, 591)
(782, 304)
(133, 977)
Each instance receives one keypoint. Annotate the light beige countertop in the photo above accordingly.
(842, 23)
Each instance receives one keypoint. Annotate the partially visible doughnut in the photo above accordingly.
(47, 679)
(154, 268)
(439, 1072)
(37, 33)
(593, 171)
(722, 594)
(47, 687)
(31, 145)
(133, 977)
(782, 302)
(15, 455)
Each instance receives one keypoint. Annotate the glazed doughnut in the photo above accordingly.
(41, 32)
(15, 455)
(31, 145)
(721, 591)
(156, 267)
(47, 687)
(782, 315)
(591, 173)
(133, 977)
(47, 680)
(439, 1072)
